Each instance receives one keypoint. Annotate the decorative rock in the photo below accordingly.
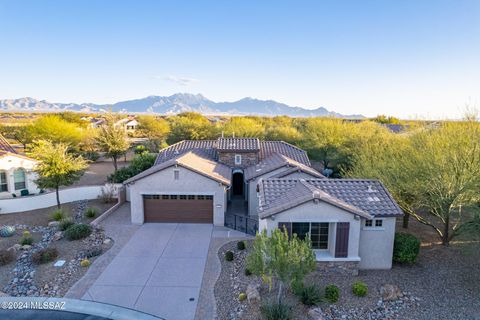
(53, 224)
(252, 293)
(3, 294)
(57, 236)
(26, 247)
(390, 292)
(316, 313)
(107, 241)
(7, 231)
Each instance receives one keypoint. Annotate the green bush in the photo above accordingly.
(242, 297)
(90, 212)
(45, 255)
(58, 215)
(332, 293)
(26, 240)
(78, 231)
(140, 162)
(405, 248)
(6, 256)
(275, 311)
(65, 224)
(248, 272)
(359, 289)
(241, 245)
(229, 256)
(310, 295)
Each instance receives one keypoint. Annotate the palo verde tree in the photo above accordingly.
(280, 259)
(56, 166)
(113, 141)
(155, 129)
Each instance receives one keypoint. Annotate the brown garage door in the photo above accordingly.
(178, 208)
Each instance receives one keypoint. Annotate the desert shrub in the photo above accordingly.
(276, 311)
(405, 248)
(248, 272)
(58, 215)
(45, 255)
(140, 163)
(85, 263)
(6, 256)
(65, 224)
(26, 233)
(78, 231)
(92, 252)
(26, 240)
(310, 295)
(90, 212)
(241, 245)
(229, 256)
(108, 193)
(332, 293)
(359, 289)
(242, 297)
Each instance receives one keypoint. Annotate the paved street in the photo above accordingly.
(158, 271)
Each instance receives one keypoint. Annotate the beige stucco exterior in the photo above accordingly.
(189, 182)
(372, 247)
(11, 162)
(376, 245)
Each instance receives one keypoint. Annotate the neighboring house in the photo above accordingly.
(16, 172)
(272, 184)
(129, 124)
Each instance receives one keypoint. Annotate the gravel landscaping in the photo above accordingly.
(25, 278)
(444, 283)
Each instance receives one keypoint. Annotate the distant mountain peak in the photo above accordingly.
(174, 104)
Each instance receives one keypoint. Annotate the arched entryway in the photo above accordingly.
(237, 183)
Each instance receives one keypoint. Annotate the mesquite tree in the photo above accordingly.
(276, 258)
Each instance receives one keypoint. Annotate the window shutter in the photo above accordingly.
(286, 225)
(341, 243)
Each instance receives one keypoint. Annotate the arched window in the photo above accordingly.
(3, 181)
(19, 179)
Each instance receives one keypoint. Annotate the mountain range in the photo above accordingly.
(174, 104)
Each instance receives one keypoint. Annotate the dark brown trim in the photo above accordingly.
(341, 242)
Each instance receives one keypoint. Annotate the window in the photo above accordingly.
(3, 181)
(165, 197)
(176, 174)
(376, 223)
(209, 197)
(173, 197)
(200, 197)
(183, 197)
(19, 179)
(318, 233)
(191, 197)
(238, 159)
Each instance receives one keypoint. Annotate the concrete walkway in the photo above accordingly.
(158, 271)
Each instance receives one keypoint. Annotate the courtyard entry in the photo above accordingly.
(237, 182)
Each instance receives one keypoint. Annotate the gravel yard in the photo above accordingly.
(24, 278)
(444, 283)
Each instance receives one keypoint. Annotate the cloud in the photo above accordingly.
(182, 81)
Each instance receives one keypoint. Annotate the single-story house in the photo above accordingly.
(273, 184)
(129, 124)
(16, 172)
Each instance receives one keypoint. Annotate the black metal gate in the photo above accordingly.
(241, 223)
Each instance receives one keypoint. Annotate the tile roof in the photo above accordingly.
(267, 148)
(196, 161)
(5, 146)
(362, 197)
(238, 144)
(276, 161)
(179, 148)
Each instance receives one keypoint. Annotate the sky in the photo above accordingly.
(409, 58)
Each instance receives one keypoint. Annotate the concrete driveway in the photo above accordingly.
(158, 271)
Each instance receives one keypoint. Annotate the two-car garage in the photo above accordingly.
(178, 208)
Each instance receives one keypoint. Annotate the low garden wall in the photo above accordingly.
(49, 199)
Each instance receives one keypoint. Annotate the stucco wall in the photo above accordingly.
(319, 212)
(49, 199)
(190, 182)
(252, 187)
(376, 245)
(9, 163)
